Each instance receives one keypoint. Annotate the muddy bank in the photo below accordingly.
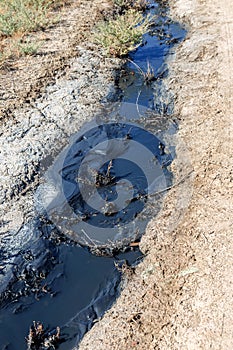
(42, 128)
(180, 297)
(44, 98)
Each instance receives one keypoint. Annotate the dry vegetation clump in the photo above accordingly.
(123, 34)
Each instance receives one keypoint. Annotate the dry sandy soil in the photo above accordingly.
(22, 80)
(181, 296)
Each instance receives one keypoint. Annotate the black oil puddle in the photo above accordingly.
(47, 277)
(57, 283)
(98, 189)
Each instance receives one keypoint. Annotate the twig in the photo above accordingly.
(95, 245)
(137, 66)
(175, 185)
(137, 106)
(109, 168)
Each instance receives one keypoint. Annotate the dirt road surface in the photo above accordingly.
(181, 296)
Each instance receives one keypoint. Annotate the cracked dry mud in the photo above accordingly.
(180, 296)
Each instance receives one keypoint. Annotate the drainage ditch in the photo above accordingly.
(64, 267)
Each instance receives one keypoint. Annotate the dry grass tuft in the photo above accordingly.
(121, 35)
(20, 17)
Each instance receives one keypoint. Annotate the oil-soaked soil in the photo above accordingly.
(43, 273)
(180, 297)
(56, 283)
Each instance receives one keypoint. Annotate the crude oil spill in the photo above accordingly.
(142, 76)
(46, 276)
(58, 283)
(97, 191)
